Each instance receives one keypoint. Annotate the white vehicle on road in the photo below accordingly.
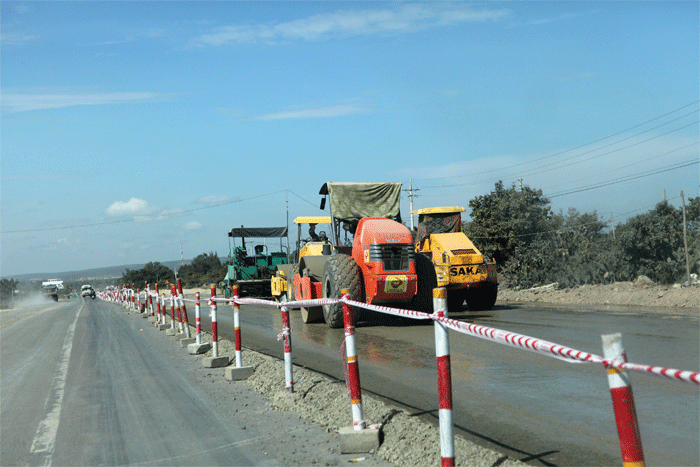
(87, 291)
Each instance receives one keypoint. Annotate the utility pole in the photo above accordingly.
(612, 221)
(521, 184)
(410, 199)
(286, 199)
(685, 240)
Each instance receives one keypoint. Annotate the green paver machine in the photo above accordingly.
(252, 270)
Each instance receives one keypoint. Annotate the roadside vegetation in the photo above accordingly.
(202, 271)
(533, 245)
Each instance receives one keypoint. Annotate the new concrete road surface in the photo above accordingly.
(85, 384)
(532, 408)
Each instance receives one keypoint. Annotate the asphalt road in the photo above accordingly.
(83, 384)
(532, 408)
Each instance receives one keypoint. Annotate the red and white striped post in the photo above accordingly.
(444, 371)
(237, 327)
(214, 336)
(150, 299)
(158, 301)
(623, 402)
(181, 297)
(176, 298)
(133, 296)
(172, 307)
(165, 311)
(358, 418)
(197, 318)
(287, 335)
(138, 300)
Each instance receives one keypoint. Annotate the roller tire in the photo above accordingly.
(341, 272)
(427, 281)
(293, 270)
(482, 298)
(455, 300)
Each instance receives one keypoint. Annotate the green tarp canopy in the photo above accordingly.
(357, 200)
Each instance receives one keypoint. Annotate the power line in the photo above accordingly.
(536, 171)
(630, 165)
(578, 147)
(679, 165)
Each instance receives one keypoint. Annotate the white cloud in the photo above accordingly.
(193, 225)
(133, 207)
(404, 19)
(14, 38)
(315, 112)
(26, 102)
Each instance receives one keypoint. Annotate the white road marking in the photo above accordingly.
(45, 437)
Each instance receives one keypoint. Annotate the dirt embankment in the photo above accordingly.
(641, 293)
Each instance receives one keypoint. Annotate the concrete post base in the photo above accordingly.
(237, 373)
(144, 315)
(353, 441)
(181, 336)
(215, 362)
(196, 349)
(152, 319)
(170, 331)
(187, 341)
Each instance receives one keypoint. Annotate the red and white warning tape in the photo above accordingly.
(511, 339)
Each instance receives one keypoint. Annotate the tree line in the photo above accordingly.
(533, 245)
(204, 270)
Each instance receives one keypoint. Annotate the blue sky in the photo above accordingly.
(130, 129)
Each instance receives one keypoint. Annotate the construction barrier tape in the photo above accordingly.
(511, 339)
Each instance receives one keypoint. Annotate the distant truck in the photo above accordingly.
(50, 288)
(458, 265)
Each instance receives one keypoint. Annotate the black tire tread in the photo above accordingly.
(341, 272)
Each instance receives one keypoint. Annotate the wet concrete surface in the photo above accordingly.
(531, 407)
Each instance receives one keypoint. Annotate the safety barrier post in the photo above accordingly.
(133, 296)
(164, 324)
(215, 360)
(171, 331)
(198, 318)
(444, 370)
(358, 438)
(198, 347)
(181, 297)
(287, 335)
(150, 300)
(623, 402)
(237, 326)
(158, 302)
(358, 421)
(238, 372)
(176, 298)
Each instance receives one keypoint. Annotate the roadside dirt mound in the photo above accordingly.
(641, 293)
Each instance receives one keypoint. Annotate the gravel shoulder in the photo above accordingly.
(324, 402)
(641, 294)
